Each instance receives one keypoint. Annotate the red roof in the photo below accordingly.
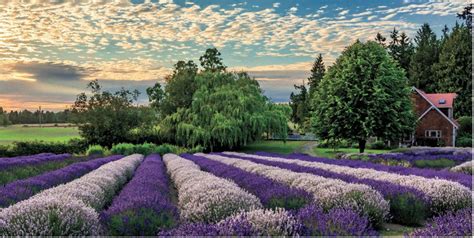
(441, 100)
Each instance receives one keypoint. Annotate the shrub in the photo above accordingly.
(436, 164)
(76, 146)
(150, 148)
(464, 141)
(378, 145)
(122, 149)
(96, 150)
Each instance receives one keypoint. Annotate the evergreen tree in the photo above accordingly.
(466, 15)
(364, 94)
(401, 49)
(212, 61)
(454, 70)
(379, 38)
(317, 74)
(299, 105)
(425, 56)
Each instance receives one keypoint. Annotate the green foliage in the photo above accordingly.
(406, 209)
(465, 126)
(365, 94)
(423, 59)
(434, 164)
(317, 73)
(4, 121)
(378, 145)
(107, 118)
(214, 108)
(454, 69)
(299, 105)
(401, 49)
(149, 148)
(74, 146)
(464, 141)
(96, 150)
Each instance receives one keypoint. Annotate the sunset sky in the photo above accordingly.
(49, 50)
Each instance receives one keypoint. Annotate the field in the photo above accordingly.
(229, 193)
(49, 133)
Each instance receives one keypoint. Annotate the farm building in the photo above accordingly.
(435, 123)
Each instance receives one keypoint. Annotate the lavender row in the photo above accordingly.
(271, 193)
(407, 205)
(25, 188)
(7, 163)
(412, 158)
(144, 206)
(308, 221)
(463, 179)
(458, 224)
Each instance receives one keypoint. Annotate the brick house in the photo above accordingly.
(435, 123)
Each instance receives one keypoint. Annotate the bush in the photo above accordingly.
(150, 148)
(435, 164)
(336, 144)
(73, 146)
(464, 141)
(96, 150)
(122, 149)
(378, 145)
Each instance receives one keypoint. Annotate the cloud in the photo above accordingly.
(276, 4)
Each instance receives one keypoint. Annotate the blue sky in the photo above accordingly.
(49, 50)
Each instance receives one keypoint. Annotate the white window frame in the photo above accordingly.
(428, 133)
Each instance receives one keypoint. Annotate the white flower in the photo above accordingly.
(465, 167)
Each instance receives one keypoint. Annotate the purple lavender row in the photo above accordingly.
(411, 158)
(30, 160)
(144, 206)
(22, 189)
(407, 205)
(271, 193)
(25, 156)
(457, 224)
(463, 179)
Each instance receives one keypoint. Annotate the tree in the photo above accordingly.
(364, 94)
(299, 105)
(4, 121)
(106, 118)
(401, 49)
(425, 56)
(155, 95)
(317, 73)
(379, 38)
(454, 69)
(466, 15)
(212, 61)
(226, 110)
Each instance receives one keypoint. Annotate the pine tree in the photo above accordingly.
(401, 49)
(454, 69)
(317, 74)
(379, 38)
(466, 15)
(425, 56)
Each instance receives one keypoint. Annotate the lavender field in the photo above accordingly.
(230, 193)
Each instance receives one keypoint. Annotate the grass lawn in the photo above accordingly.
(330, 153)
(50, 134)
(274, 146)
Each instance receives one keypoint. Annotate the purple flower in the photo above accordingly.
(22, 189)
(6, 163)
(271, 193)
(450, 224)
(144, 206)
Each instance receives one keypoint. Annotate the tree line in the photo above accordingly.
(34, 117)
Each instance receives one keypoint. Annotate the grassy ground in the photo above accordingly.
(274, 146)
(331, 153)
(30, 133)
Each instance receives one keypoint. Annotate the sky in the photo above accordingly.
(50, 50)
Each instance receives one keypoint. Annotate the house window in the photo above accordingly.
(433, 133)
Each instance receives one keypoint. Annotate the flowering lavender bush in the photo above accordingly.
(444, 195)
(71, 208)
(203, 196)
(143, 207)
(465, 167)
(451, 224)
(251, 223)
(272, 194)
(463, 179)
(23, 189)
(6, 163)
(407, 205)
(328, 193)
(336, 222)
(418, 158)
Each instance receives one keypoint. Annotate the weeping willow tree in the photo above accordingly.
(228, 110)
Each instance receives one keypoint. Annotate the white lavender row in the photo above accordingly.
(329, 193)
(444, 195)
(203, 197)
(465, 168)
(71, 208)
